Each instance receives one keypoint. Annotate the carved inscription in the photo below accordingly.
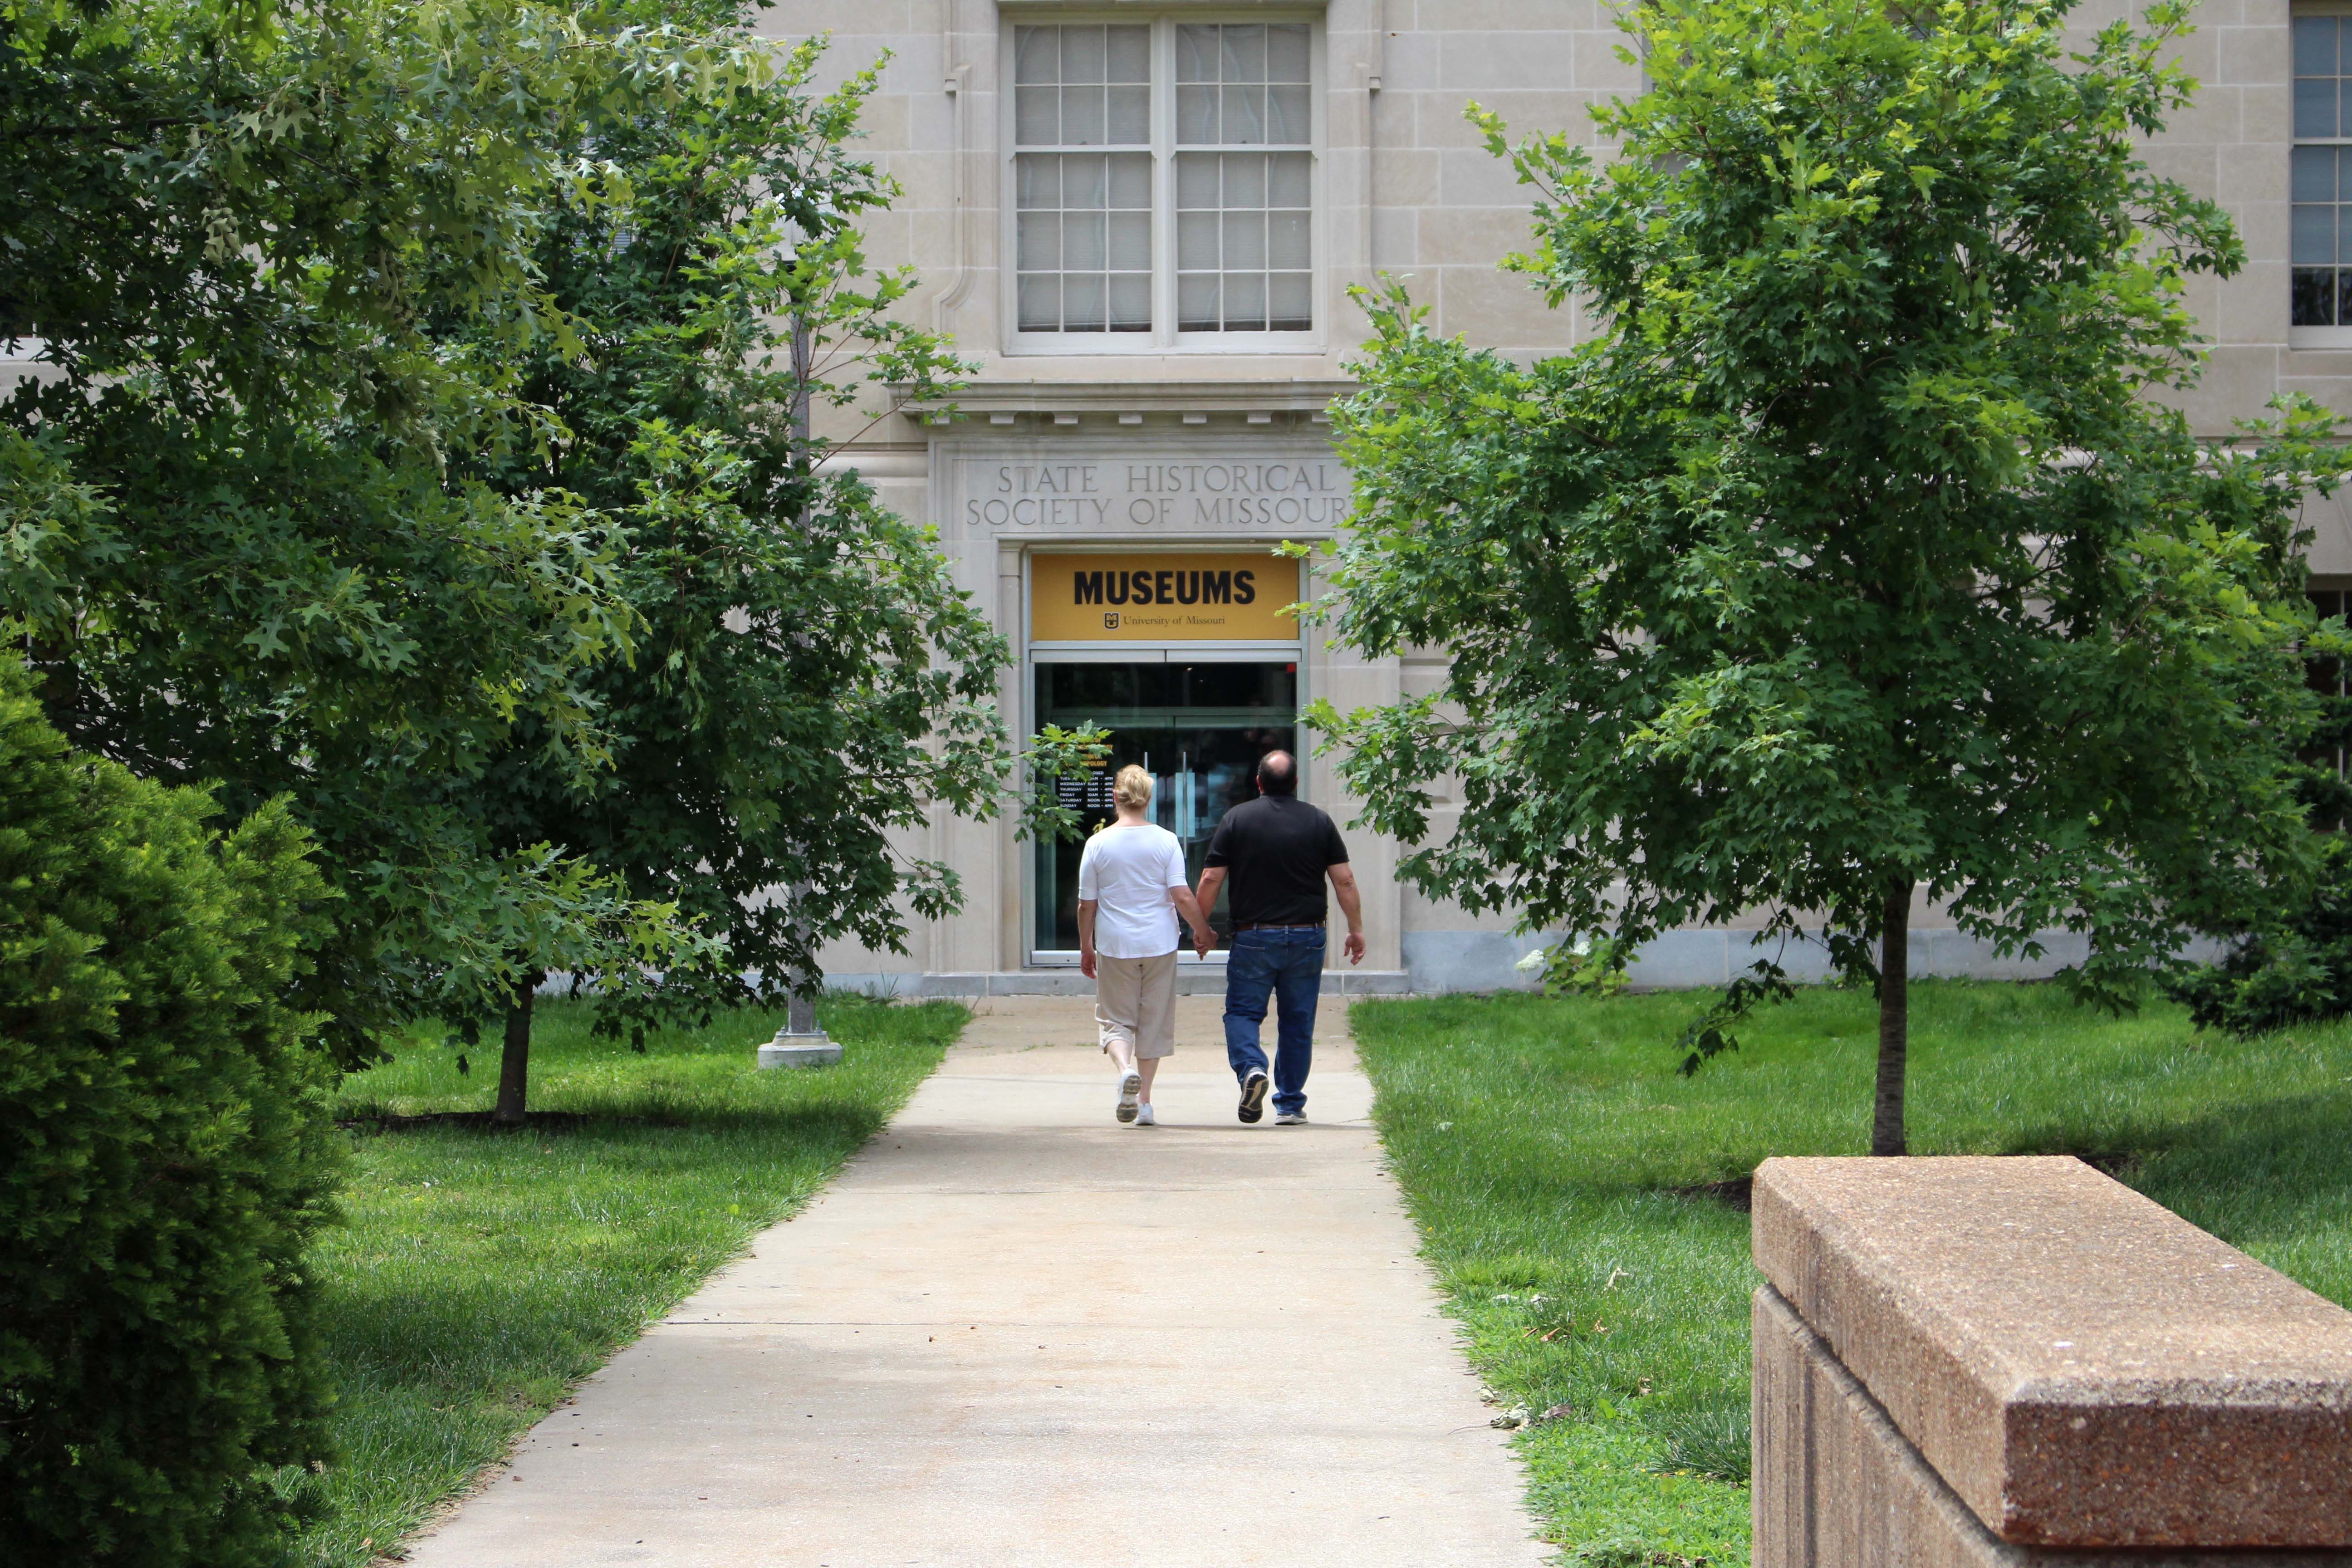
(1255, 494)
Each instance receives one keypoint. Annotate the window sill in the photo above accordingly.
(2319, 337)
(1142, 345)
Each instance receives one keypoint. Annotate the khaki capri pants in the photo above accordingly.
(1135, 1006)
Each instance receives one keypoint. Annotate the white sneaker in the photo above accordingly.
(1130, 1089)
(1291, 1119)
(1143, 1116)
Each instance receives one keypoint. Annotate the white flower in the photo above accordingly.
(1533, 961)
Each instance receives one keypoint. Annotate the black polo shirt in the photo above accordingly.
(1275, 849)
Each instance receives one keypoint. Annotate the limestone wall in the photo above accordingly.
(1966, 1362)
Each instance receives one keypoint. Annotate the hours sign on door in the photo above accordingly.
(1163, 596)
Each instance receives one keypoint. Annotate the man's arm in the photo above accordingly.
(1352, 904)
(1210, 880)
(1086, 936)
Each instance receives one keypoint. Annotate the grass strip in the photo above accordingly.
(481, 1273)
(1581, 1200)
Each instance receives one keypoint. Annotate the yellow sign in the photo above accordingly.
(1163, 596)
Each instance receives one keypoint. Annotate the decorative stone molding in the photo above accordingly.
(1094, 404)
(2020, 1361)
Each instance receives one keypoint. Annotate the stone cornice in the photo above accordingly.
(1070, 402)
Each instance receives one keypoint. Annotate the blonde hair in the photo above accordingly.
(1133, 788)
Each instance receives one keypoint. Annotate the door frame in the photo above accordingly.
(1034, 653)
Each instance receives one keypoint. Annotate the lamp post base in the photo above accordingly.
(812, 1050)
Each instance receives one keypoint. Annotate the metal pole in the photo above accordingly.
(799, 1043)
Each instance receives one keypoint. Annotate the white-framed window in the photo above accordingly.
(1163, 184)
(2319, 245)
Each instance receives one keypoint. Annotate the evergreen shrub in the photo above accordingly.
(2295, 967)
(166, 1153)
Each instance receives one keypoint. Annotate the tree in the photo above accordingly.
(805, 678)
(227, 532)
(1856, 556)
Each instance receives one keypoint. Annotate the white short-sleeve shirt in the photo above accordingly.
(1126, 870)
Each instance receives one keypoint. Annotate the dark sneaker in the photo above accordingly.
(1253, 1097)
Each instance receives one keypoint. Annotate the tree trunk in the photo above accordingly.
(1893, 1020)
(514, 1064)
(58, 691)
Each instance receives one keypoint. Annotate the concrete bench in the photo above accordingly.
(1979, 1362)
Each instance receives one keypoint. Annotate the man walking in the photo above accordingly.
(1278, 851)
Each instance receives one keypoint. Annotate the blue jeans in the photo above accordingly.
(1288, 964)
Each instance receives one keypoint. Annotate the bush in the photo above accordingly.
(164, 1156)
(2300, 972)
(2297, 966)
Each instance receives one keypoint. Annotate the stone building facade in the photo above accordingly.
(1141, 220)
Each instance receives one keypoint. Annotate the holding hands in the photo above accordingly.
(1196, 915)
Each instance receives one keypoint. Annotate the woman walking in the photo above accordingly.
(1131, 886)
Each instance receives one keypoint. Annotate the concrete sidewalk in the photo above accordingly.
(1015, 1334)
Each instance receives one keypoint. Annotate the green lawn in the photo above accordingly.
(1559, 1170)
(482, 1273)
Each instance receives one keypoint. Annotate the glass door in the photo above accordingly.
(1198, 729)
